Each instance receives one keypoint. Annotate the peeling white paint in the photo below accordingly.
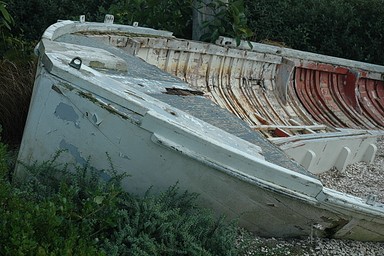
(67, 113)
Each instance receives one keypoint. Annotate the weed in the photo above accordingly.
(16, 85)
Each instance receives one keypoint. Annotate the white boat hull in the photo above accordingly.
(89, 114)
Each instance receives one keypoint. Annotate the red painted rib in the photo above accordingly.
(373, 88)
(317, 98)
(339, 95)
(341, 98)
(301, 82)
(313, 90)
(371, 109)
(379, 88)
(325, 96)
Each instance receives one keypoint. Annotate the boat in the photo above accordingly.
(228, 122)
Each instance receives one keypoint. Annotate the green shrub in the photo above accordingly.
(228, 19)
(32, 17)
(53, 211)
(16, 79)
(171, 15)
(351, 29)
(348, 29)
(11, 46)
(86, 212)
(174, 15)
(5, 18)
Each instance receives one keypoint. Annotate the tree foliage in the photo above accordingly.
(5, 18)
(12, 46)
(227, 19)
(171, 15)
(352, 29)
(32, 17)
(346, 28)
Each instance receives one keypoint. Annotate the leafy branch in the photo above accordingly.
(225, 18)
(5, 18)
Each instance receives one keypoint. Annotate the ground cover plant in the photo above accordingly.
(48, 210)
(55, 211)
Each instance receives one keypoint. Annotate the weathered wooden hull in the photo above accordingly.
(288, 96)
(113, 102)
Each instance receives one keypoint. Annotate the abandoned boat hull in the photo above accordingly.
(78, 108)
(286, 94)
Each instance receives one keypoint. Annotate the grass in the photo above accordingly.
(16, 85)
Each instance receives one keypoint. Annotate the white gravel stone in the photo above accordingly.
(360, 179)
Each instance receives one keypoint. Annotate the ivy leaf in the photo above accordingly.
(98, 199)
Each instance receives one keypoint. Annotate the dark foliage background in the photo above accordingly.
(352, 29)
(32, 17)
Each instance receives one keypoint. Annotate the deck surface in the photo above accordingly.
(153, 81)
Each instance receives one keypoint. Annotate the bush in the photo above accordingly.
(11, 46)
(5, 18)
(174, 15)
(17, 72)
(171, 15)
(228, 19)
(351, 29)
(32, 17)
(348, 29)
(58, 212)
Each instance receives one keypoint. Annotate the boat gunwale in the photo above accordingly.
(302, 58)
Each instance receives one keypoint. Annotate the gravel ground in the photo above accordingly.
(359, 179)
(315, 247)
